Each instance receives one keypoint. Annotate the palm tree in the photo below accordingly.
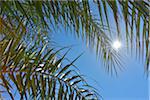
(29, 61)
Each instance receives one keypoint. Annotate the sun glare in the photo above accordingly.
(116, 45)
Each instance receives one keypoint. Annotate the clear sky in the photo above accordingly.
(130, 84)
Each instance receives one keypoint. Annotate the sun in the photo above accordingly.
(116, 45)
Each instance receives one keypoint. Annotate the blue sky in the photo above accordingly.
(130, 84)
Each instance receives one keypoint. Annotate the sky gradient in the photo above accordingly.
(130, 84)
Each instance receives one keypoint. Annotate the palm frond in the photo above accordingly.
(31, 17)
(75, 16)
(41, 76)
(33, 70)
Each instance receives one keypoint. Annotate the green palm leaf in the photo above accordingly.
(22, 22)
